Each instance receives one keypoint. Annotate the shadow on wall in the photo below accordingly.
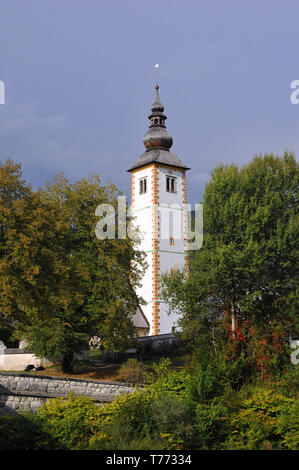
(4, 396)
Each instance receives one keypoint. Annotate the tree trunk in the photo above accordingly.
(67, 363)
(233, 316)
(213, 340)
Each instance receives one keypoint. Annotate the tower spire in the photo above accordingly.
(157, 106)
(157, 135)
(157, 72)
(157, 140)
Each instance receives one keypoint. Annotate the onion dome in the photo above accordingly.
(157, 135)
(158, 141)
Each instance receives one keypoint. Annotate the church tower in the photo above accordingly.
(158, 199)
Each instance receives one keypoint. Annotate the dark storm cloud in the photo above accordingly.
(79, 82)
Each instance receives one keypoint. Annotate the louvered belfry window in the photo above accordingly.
(142, 186)
(170, 184)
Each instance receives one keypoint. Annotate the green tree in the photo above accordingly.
(246, 271)
(68, 285)
(17, 205)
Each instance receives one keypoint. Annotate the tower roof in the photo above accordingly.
(157, 140)
(157, 106)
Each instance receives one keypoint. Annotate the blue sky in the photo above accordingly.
(79, 78)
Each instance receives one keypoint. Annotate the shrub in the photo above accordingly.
(132, 371)
(267, 401)
(131, 411)
(77, 422)
(250, 430)
(72, 420)
(24, 432)
(210, 380)
(207, 383)
(162, 379)
(288, 426)
(288, 382)
(167, 413)
(267, 420)
(171, 421)
(125, 420)
(210, 424)
(158, 370)
(118, 440)
(235, 373)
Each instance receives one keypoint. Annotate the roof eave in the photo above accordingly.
(157, 163)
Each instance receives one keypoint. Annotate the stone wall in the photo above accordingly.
(29, 391)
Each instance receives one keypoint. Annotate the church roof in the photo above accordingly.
(157, 140)
(139, 319)
(158, 155)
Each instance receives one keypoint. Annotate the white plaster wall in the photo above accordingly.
(142, 208)
(18, 362)
(170, 256)
(170, 198)
(167, 321)
(142, 213)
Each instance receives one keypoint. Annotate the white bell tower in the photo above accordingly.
(158, 200)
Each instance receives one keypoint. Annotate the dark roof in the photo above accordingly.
(157, 155)
(139, 319)
(157, 140)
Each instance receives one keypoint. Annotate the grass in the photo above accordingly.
(177, 362)
(109, 372)
(95, 354)
(82, 370)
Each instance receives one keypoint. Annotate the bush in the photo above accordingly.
(171, 421)
(210, 380)
(288, 382)
(210, 423)
(207, 383)
(235, 373)
(267, 420)
(77, 422)
(162, 379)
(288, 426)
(24, 432)
(167, 413)
(132, 371)
(72, 420)
(125, 421)
(131, 411)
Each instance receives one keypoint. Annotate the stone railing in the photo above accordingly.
(28, 391)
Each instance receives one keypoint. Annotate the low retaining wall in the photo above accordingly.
(29, 392)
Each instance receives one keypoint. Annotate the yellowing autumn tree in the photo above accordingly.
(59, 284)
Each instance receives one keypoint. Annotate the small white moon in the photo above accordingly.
(157, 66)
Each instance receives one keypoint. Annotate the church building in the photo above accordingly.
(158, 209)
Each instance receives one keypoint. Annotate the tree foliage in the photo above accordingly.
(246, 272)
(59, 284)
